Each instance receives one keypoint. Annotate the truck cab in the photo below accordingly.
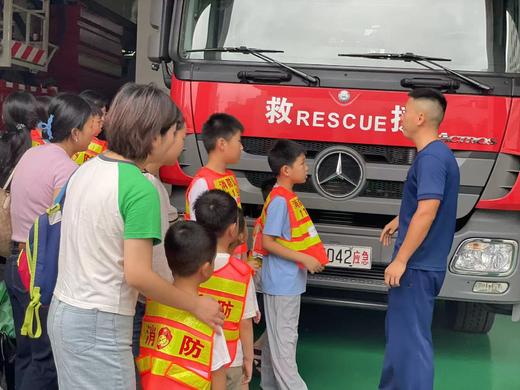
(334, 76)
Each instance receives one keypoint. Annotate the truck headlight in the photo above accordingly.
(481, 256)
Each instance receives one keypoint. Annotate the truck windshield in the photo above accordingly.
(478, 35)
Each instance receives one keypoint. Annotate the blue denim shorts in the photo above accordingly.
(92, 349)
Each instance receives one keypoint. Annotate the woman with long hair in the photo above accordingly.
(38, 178)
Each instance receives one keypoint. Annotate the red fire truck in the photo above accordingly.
(334, 76)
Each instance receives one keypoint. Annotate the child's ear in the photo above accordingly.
(221, 143)
(232, 231)
(206, 270)
(284, 171)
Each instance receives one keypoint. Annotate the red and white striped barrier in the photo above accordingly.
(28, 53)
(29, 88)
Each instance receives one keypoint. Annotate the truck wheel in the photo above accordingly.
(470, 317)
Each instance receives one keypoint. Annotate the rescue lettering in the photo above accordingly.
(280, 110)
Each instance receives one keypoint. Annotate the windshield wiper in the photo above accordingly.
(423, 61)
(259, 54)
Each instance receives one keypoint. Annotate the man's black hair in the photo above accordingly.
(430, 94)
(188, 246)
(284, 152)
(216, 210)
(217, 126)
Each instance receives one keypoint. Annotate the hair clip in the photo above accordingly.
(47, 126)
(20, 127)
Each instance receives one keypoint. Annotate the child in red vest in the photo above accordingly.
(221, 135)
(231, 284)
(293, 248)
(177, 350)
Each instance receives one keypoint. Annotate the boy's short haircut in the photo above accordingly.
(284, 152)
(216, 210)
(96, 101)
(217, 126)
(188, 247)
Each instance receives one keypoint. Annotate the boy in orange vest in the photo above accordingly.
(178, 351)
(231, 284)
(221, 136)
(293, 248)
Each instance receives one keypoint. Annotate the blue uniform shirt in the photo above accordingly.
(433, 175)
(280, 276)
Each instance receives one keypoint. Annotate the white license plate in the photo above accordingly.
(345, 256)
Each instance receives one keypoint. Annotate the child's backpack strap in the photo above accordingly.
(42, 250)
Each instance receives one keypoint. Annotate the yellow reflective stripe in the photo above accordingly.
(175, 342)
(144, 364)
(231, 335)
(156, 309)
(159, 366)
(232, 308)
(79, 158)
(95, 148)
(227, 286)
(188, 377)
(301, 230)
(299, 245)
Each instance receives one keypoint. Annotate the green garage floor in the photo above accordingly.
(342, 348)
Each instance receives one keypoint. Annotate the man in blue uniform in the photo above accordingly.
(425, 225)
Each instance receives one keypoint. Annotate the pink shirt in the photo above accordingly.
(40, 171)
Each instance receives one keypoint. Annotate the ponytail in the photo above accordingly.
(20, 115)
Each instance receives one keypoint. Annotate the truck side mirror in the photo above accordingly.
(161, 21)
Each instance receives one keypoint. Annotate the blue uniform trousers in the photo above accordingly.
(408, 363)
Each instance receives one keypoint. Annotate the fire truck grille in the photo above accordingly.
(373, 188)
(371, 153)
(376, 273)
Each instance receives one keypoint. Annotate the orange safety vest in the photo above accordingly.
(304, 237)
(36, 137)
(258, 249)
(214, 180)
(95, 147)
(228, 286)
(176, 349)
(226, 182)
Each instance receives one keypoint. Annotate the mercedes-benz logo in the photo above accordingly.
(339, 173)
